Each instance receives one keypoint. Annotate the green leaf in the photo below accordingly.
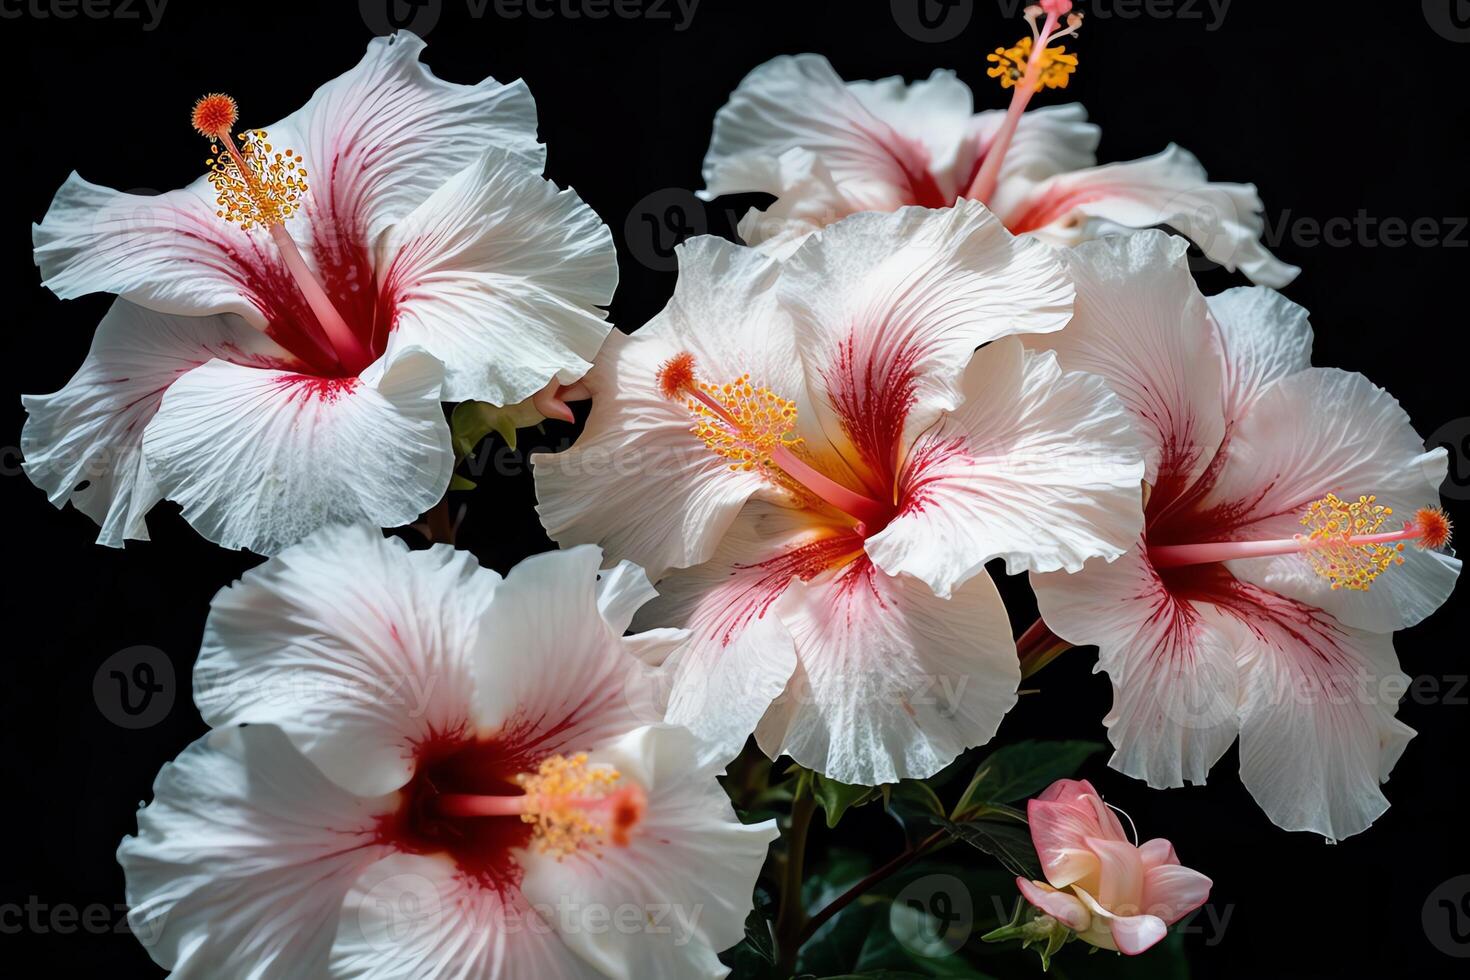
(836, 798)
(1007, 841)
(1023, 770)
(471, 422)
(457, 482)
(879, 975)
(914, 805)
(758, 935)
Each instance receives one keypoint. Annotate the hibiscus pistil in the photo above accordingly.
(573, 807)
(259, 186)
(1344, 542)
(1028, 66)
(751, 427)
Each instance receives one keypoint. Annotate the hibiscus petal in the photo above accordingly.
(1049, 141)
(638, 481)
(552, 605)
(1036, 465)
(1157, 852)
(670, 907)
(621, 591)
(1171, 891)
(1135, 934)
(1171, 662)
(416, 916)
(801, 102)
(1318, 732)
(1059, 831)
(740, 654)
(168, 252)
(1120, 881)
(807, 199)
(1323, 430)
(261, 458)
(1143, 327)
(381, 137)
(1170, 188)
(1065, 908)
(243, 858)
(1264, 337)
(354, 646)
(893, 682)
(889, 309)
(91, 431)
(500, 276)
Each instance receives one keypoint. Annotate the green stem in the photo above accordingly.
(791, 919)
(852, 894)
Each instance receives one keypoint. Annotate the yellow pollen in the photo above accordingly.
(562, 799)
(762, 421)
(1055, 69)
(1332, 522)
(269, 190)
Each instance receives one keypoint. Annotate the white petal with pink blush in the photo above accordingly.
(1291, 526)
(827, 148)
(395, 210)
(391, 792)
(820, 463)
(84, 443)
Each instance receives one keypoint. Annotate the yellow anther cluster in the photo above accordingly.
(1055, 69)
(557, 797)
(762, 420)
(268, 192)
(1332, 523)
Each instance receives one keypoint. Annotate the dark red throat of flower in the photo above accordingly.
(259, 186)
(480, 801)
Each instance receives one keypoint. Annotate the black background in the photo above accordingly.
(1334, 114)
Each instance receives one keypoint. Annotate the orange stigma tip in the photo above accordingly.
(214, 115)
(677, 375)
(1434, 528)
